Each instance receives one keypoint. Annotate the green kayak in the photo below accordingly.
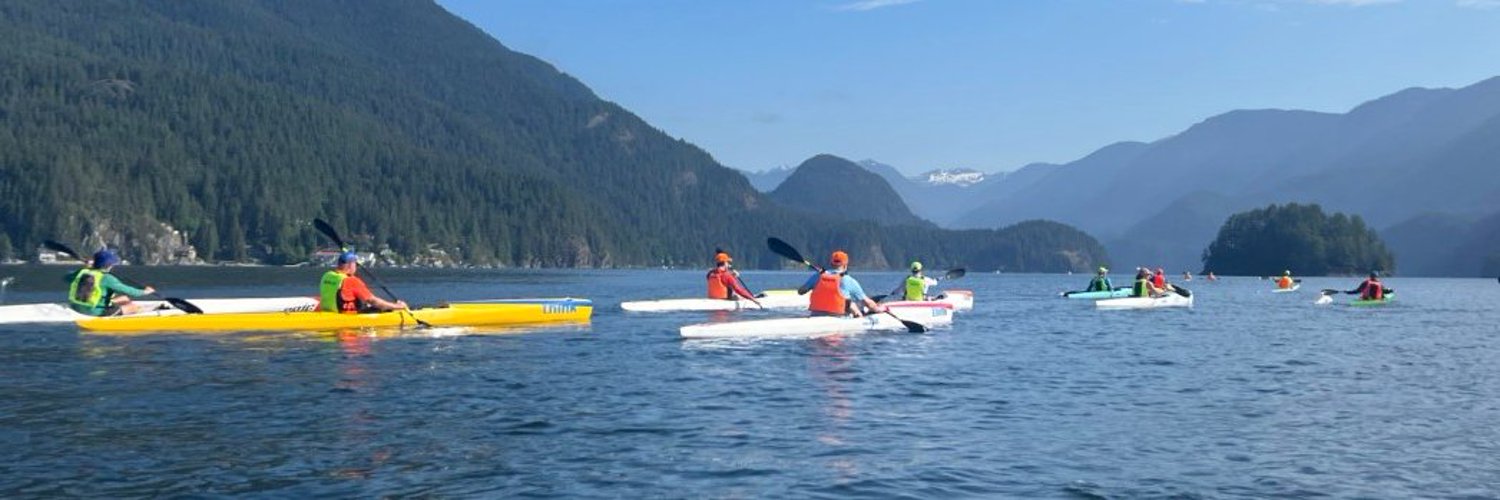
(1371, 303)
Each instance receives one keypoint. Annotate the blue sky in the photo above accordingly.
(987, 84)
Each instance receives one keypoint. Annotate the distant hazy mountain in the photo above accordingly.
(1414, 152)
(836, 188)
(766, 180)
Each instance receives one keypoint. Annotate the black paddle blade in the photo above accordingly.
(327, 230)
(1182, 291)
(781, 248)
(183, 305)
(61, 248)
(911, 326)
(954, 274)
(1330, 291)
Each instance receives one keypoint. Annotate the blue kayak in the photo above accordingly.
(1118, 292)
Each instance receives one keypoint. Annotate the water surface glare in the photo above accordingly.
(1249, 394)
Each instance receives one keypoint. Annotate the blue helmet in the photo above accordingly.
(105, 258)
(347, 257)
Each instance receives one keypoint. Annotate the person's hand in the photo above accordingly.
(401, 304)
(150, 290)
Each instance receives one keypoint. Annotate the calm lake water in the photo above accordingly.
(1249, 394)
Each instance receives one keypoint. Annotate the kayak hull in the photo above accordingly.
(1164, 301)
(489, 313)
(60, 313)
(771, 299)
(1373, 303)
(1119, 292)
(928, 314)
(962, 300)
(1287, 290)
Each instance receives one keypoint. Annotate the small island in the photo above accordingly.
(1299, 238)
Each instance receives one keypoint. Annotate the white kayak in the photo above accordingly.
(60, 313)
(961, 300)
(770, 299)
(1167, 300)
(1287, 290)
(928, 314)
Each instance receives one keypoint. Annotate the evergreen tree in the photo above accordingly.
(1298, 238)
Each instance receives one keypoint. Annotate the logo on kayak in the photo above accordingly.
(559, 308)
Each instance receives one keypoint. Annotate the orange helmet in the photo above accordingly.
(839, 257)
(722, 257)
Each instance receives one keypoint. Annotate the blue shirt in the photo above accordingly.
(848, 287)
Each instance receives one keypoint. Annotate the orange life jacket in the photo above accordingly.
(1285, 282)
(716, 287)
(826, 297)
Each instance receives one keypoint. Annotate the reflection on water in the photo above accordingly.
(1249, 394)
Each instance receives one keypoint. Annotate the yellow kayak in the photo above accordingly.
(488, 313)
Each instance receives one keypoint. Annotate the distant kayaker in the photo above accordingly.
(1211, 276)
(1187, 276)
(343, 292)
(1100, 283)
(724, 282)
(833, 290)
(95, 292)
(1371, 288)
(1285, 282)
(1144, 287)
(915, 286)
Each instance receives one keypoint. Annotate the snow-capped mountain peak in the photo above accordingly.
(962, 177)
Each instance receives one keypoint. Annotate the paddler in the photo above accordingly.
(343, 292)
(724, 282)
(833, 290)
(914, 287)
(1371, 288)
(1100, 283)
(95, 292)
(1144, 287)
(1285, 282)
(1160, 279)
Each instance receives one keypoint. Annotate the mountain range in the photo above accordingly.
(1396, 161)
(220, 128)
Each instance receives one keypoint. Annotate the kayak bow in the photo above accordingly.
(488, 313)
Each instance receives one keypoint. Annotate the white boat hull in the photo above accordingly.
(928, 314)
(1168, 300)
(773, 299)
(59, 313)
(961, 300)
(1287, 290)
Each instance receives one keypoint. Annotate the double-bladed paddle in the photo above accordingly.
(178, 303)
(327, 230)
(783, 249)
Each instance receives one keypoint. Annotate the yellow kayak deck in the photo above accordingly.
(487, 313)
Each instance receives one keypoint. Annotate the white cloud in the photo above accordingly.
(1354, 3)
(1479, 4)
(864, 5)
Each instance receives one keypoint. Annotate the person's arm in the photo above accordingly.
(734, 283)
(855, 293)
(114, 285)
(807, 287)
(363, 293)
(1360, 289)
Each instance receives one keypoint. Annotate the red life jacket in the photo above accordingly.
(1160, 280)
(1373, 290)
(716, 287)
(825, 296)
